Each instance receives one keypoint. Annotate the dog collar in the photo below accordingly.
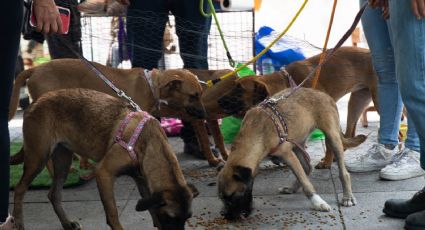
(129, 146)
(149, 79)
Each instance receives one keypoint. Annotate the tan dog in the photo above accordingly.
(179, 89)
(303, 111)
(350, 70)
(210, 97)
(86, 121)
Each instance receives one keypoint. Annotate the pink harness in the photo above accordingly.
(130, 145)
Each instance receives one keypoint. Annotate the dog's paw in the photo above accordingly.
(323, 165)
(287, 190)
(348, 201)
(319, 204)
(74, 225)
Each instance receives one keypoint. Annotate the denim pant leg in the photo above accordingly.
(145, 30)
(408, 35)
(10, 22)
(192, 29)
(390, 104)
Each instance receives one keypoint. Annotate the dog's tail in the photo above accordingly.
(19, 82)
(17, 158)
(351, 142)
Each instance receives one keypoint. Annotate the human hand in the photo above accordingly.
(124, 2)
(47, 16)
(418, 8)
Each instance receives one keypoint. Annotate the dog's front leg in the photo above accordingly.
(326, 162)
(218, 138)
(105, 183)
(202, 135)
(285, 151)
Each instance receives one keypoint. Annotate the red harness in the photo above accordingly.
(129, 146)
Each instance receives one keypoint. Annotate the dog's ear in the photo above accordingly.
(242, 174)
(174, 85)
(260, 92)
(154, 201)
(193, 189)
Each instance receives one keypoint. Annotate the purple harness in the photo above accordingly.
(129, 146)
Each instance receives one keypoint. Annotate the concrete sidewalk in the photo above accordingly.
(271, 210)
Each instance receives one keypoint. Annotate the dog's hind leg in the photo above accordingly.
(61, 159)
(334, 141)
(285, 151)
(356, 105)
(33, 164)
(218, 138)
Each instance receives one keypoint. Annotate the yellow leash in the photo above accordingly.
(322, 56)
(210, 83)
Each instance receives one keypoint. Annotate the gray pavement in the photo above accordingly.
(271, 209)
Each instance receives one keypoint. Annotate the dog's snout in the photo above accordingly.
(196, 112)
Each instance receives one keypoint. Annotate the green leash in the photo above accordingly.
(212, 12)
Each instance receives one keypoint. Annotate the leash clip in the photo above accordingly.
(272, 101)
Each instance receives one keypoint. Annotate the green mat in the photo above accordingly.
(43, 179)
(231, 125)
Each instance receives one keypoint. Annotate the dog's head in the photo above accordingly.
(235, 190)
(169, 209)
(246, 93)
(181, 91)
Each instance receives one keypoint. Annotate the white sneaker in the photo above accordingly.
(8, 224)
(405, 165)
(376, 158)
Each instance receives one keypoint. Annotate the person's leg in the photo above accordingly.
(10, 22)
(390, 104)
(409, 49)
(57, 48)
(145, 30)
(192, 29)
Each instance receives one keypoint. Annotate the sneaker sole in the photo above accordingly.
(363, 169)
(400, 177)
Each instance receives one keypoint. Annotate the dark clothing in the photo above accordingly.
(56, 47)
(146, 22)
(10, 24)
(145, 28)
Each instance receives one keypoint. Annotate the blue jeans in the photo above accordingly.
(10, 22)
(408, 36)
(378, 32)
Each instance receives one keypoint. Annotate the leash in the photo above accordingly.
(328, 33)
(212, 12)
(102, 76)
(210, 83)
(329, 53)
(270, 103)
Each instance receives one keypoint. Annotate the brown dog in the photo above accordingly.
(87, 121)
(303, 111)
(350, 70)
(178, 90)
